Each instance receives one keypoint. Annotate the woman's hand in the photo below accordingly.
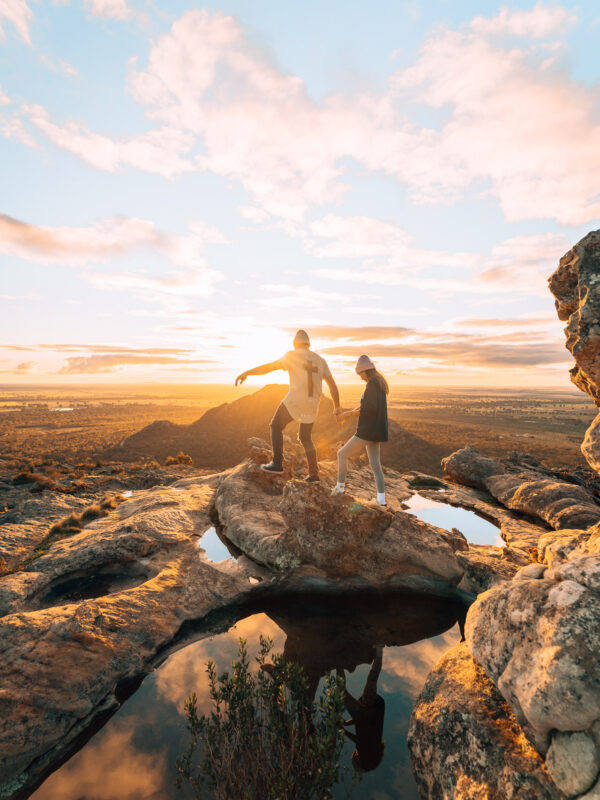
(241, 378)
(343, 415)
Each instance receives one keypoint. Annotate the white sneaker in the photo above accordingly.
(337, 490)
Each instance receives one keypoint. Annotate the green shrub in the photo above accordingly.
(265, 737)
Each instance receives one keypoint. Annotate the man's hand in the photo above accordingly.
(342, 415)
(241, 378)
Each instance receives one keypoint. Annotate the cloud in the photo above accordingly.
(504, 129)
(4, 98)
(24, 368)
(172, 286)
(19, 15)
(539, 22)
(108, 238)
(15, 129)
(100, 348)
(543, 320)
(465, 351)
(96, 364)
(160, 151)
(110, 9)
(358, 334)
(288, 296)
(522, 262)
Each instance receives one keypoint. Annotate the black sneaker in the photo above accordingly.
(272, 467)
(312, 479)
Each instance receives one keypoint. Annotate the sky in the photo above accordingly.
(183, 186)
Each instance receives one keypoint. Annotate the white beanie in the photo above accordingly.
(363, 364)
(301, 337)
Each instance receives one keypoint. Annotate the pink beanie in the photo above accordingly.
(363, 364)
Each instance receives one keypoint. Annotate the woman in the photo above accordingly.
(372, 428)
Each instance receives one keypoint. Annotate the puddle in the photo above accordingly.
(127, 493)
(215, 548)
(134, 754)
(476, 529)
(76, 588)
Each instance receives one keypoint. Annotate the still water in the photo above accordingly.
(133, 756)
(476, 529)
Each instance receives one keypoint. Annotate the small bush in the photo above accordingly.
(266, 737)
(180, 458)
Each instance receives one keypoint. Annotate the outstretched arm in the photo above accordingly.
(335, 395)
(262, 370)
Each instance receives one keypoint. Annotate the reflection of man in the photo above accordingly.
(307, 370)
(367, 716)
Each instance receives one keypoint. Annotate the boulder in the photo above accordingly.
(573, 762)
(561, 505)
(465, 742)
(538, 640)
(286, 525)
(470, 468)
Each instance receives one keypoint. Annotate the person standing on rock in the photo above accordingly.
(372, 428)
(307, 371)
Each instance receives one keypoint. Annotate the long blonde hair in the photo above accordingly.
(374, 373)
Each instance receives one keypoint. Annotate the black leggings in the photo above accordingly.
(280, 420)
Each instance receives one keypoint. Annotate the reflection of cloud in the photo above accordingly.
(110, 767)
(185, 671)
(411, 665)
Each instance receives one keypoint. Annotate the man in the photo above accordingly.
(307, 370)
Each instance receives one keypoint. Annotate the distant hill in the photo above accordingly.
(219, 438)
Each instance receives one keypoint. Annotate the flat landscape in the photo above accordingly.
(77, 424)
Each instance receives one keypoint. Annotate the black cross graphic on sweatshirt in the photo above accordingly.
(310, 369)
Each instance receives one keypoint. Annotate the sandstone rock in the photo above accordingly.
(469, 467)
(538, 640)
(593, 794)
(556, 547)
(590, 447)
(484, 566)
(339, 536)
(573, 762)
(575, 287)
(531, 571)
(62, 664)
(465, 742)
(561, 505)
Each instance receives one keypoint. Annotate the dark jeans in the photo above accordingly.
(280, 420)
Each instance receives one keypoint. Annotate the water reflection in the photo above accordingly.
(384, 647)
(476, 529)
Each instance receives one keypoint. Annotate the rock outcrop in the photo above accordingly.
(514, 712)
(576, 287)
(551, 500)
(465, 741)
(292, 523)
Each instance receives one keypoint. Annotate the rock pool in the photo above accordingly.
(134, 754)
(476, 529)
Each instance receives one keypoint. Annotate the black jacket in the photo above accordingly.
(373, 421)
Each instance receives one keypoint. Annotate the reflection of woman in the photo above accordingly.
(367, 716)
(372, 427)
